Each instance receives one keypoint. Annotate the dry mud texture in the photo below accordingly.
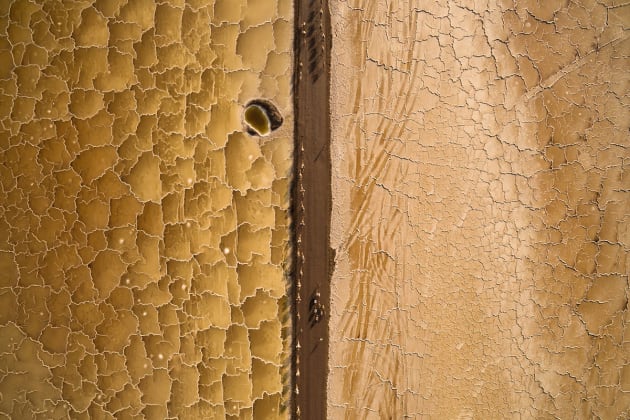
(143, 235)
(481, 209)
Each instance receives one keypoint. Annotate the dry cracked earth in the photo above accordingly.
(143, 234)
(481, 210)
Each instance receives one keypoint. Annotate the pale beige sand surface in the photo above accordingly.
(143, 234)
(481, 210)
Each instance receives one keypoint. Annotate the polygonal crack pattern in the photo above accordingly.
(481, 209)
(143, 235)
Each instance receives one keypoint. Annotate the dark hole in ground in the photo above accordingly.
(261, 117)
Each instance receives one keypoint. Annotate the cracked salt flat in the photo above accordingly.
(143, 235)
(480, 210)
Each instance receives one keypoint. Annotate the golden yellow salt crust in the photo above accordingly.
(143, 234)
